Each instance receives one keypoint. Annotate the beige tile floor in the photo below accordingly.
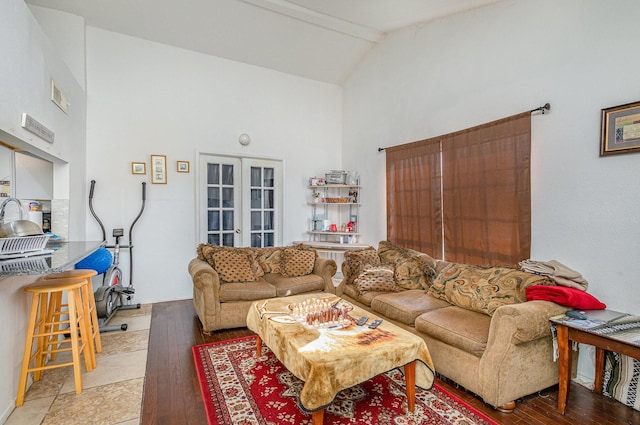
(112, 392)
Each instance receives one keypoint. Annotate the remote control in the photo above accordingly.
(575, 314)
(361, 321)
(375, 324)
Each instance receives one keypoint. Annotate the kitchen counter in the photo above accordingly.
(64, 256)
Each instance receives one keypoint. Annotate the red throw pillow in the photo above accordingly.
(564, 295)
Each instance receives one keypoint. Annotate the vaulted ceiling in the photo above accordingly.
(319, 39)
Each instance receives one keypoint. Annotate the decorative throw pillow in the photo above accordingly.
(376, 279)
(414, 270)
(484, 289)
(297, 262)
(354, 261)
(270, 259)
(414, 273)
(203, 251)
(206, 251)
(234, 265)
(437, 287)
(390, 253)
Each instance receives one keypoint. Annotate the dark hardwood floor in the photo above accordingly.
(172, 393)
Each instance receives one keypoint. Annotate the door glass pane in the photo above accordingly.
(256, 240)
(256, 223)
(268, 198)
(268, 239)
(255, 176)
(213, 221)
(227, 174)
(213, 173)
(256, 198)
(227, 220)
(227, 239)
(213, 197)
(268, 220)
(227, 197)
(213, 239)
(269, 177)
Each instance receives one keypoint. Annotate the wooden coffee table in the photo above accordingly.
(330, 360)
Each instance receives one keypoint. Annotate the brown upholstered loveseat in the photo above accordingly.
(226, 281)
(479, 328)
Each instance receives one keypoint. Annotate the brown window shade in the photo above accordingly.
(477, 208)
(414, 214)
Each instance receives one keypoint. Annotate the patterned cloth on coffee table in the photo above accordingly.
(330, 360)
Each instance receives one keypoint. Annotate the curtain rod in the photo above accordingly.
(545, 107)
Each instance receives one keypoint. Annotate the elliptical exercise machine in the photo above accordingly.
(112, 295)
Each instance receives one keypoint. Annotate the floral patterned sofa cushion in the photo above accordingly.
(413, 270)
(270, 259)
(483, 289)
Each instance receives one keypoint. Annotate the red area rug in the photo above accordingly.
(240, 389)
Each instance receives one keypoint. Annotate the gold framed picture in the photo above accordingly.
(159, 169)
(138, 168)
(620, 129)
(182, 166)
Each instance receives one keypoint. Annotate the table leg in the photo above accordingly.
(410, 383)
(564, 367)
(597, 383)
(318, 417)
(258, 346)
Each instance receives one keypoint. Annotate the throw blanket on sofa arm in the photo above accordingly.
(557, 271)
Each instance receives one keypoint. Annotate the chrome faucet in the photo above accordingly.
(6, 201)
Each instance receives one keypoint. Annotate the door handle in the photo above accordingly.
(238, 231)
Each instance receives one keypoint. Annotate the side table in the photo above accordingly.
(621, 335)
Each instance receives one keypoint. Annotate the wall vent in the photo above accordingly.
(59, 98)
(30, 123)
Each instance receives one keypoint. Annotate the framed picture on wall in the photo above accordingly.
(159, 169)
(183, 166)
(138, 168)
(620, 129)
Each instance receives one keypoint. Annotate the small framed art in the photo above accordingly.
(620, 129)
(159, 169)
(183, 166)
(138, 168)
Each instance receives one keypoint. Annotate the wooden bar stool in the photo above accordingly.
(43, 328)
(89, 302)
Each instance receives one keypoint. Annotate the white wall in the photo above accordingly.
(66, 32)
(486, 64)
(146, 98)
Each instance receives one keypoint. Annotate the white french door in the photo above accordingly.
(240, 201)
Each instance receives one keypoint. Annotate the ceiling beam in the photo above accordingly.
(320, 19)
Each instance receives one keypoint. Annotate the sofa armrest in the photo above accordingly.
(326, 268)
(340, 287)
(523, 322)
(206, 293)
(204, 277)
(518, 359)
